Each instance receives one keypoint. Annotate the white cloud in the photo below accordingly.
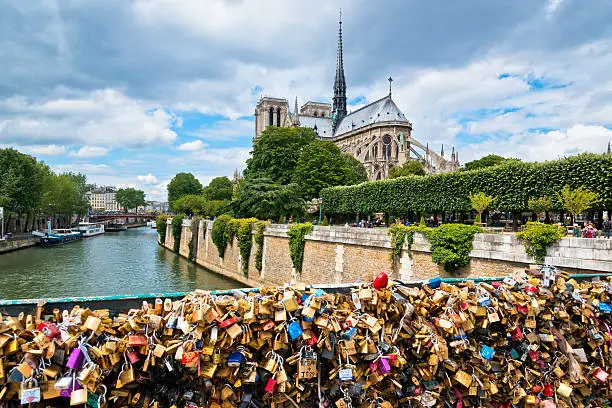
(147, 179)
(99, 118)
(44, 150)
(226, 130)
(82, 168)
(90, 151)
(192, 146)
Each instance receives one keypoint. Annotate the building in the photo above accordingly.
(157, 206)
(379, 135)
(103, 198)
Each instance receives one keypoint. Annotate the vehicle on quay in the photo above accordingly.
(91, 229)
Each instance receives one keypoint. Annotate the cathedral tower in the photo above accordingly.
(339, 108)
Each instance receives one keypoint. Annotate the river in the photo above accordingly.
(118, 263)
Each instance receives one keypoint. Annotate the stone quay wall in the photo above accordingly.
(334, 255)
(10, 245)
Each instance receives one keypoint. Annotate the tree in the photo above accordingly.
(193, 204)
(219, 188)
(480, 202)
(356, 173)
(22, 181)
(63, 197)
(539, 205)
(323, 164)
(181, 185)
(487, 161)
(129, 198)
(577, 201)
(412, 167)
(263, 198)
(276, 153)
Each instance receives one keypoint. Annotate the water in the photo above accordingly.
(119, 263)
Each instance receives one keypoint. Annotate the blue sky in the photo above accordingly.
(133, 92)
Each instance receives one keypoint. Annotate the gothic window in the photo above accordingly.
(386, 146)
(396, 151)
(359, 151)
(367, 156)
(375, 151)
(271, 117)
(278, 117)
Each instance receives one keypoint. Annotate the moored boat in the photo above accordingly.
(153, 225)
(59, 237)
(115, 228)
(91, 229)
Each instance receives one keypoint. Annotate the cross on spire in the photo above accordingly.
(390, 80)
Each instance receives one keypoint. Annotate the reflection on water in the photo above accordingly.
(119, 263)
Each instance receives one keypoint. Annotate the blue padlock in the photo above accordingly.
(235, 359)
(514, 354)
(434, 283)
(487, 352)
(294, 330)
(485, 301)
(349, 333)
(308, 319)
(605, 307)
(319, 292)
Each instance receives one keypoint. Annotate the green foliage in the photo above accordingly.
(129, 198)
(177, 227)
(538, 236)
(401, 234)
(181, 185)
(422, 221)
(322, 164)
(412, 167)
(451, 245)
(161, 223)
(477, 220)
(193, 204)
(480, 202)
(260, 227)
(22, 182)
(219, 234)
(539, 205)
(276, 153)
(245, 241)
(325, 221)
(262, 198)
(487, 161)
(512, 183)
(219, 189)
(355, 171)
(578, 200)
(297, 239)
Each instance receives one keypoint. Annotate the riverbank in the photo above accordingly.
(15, 244)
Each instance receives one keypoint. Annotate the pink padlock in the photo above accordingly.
(383, 365)
(270, 386)
(133, 357)
(76, 359)
(65, 392)
(601, 375)
(374, 367)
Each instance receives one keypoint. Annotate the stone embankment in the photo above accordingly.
(346, 255)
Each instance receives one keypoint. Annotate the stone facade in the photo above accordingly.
(337, 255)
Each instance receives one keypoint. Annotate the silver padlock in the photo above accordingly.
(30, 392)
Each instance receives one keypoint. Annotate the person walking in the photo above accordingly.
(606, 228)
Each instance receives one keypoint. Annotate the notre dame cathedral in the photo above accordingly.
(378, 134)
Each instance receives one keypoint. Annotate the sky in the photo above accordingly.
(132, 92)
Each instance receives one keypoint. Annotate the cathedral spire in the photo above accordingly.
(296, 117)
(609, 151)
(442, 152)
(339, 108)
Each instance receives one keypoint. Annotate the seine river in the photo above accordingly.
(118, 263)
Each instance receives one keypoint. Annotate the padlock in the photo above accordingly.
(548, 390)
(564, 390)
(270, 387)
(487, 352)
(30, 392)
(78, 397)
(76, 359)
(49, 329)
(235, 359)
(294, 330)
(601, 375)
(383, 365)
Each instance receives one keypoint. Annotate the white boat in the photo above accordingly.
(90, 229)
(153, 225)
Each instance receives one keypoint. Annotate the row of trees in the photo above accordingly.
(28, 188)
(287, 168)
(129, 198)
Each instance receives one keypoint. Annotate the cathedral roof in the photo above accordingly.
(382, 110)
(323, 124)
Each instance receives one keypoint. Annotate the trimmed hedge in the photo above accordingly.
(511, 183)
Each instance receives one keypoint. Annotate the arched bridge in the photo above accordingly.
(125, 218)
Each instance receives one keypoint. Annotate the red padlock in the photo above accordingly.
(49, 329)
(548, 390)
(381, 281)
(271, 386)
(516, 333)
(533, 355)
(313, 340)
(601, 375)
(536, 388)
(133, 357)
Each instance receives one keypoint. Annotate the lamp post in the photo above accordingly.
(320, 211)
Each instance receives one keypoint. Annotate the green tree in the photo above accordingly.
(480, 202)
(262, 198)
(539, 205)
(412, 167)
(219, 188)
(487, 161)
(577, 201)
(22, 181)
(355, 172)
(191, 204)
(321, 165)
(129, 198)
(181, 185)
(276, 153)
(63, 198)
